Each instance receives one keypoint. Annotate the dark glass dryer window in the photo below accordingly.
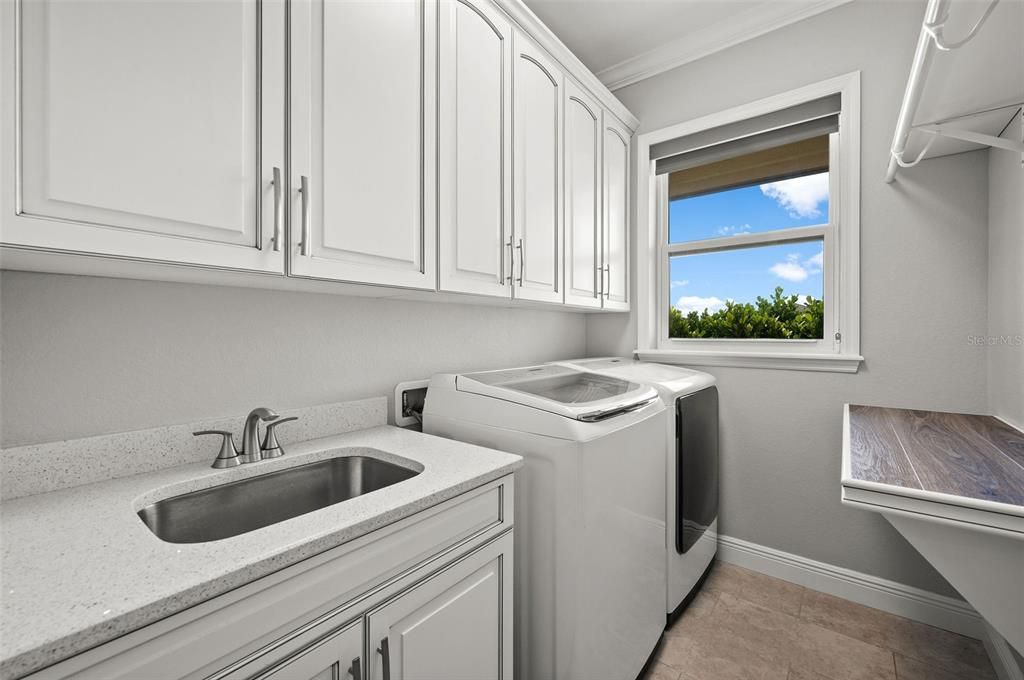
(696, 466)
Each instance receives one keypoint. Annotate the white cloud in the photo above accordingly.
(695, 303)
(791, 271)
(733, 230)
(796, 271)
(800, 196)
(814, 262)
(679, 284)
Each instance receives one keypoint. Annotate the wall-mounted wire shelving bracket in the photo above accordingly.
(931, 38)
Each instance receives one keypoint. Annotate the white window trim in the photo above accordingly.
(842, 286)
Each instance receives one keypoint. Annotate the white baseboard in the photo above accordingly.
(1003, 661)
(871, 591)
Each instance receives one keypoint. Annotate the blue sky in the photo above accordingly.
(709, 279)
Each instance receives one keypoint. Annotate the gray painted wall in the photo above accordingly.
(1006, 281)
(84, 356)
(924, 288)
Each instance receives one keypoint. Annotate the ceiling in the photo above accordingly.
(624, 40)
(603, 33)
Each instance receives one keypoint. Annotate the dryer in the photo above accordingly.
(691, 513)
(589, 530)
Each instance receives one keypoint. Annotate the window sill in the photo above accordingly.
(829, 363)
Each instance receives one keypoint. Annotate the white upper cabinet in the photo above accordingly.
(475, 148)
(615, 185)
(451, 145)
(537, 159)
(582, 197)
(363, 141)
(148, 130)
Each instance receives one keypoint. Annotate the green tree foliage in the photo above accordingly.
(780, 316)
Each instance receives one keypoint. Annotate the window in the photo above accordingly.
(753, 233)
(746, 245)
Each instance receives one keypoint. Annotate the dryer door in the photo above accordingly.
(696, 466)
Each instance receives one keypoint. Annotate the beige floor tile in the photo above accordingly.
(838, 656)
(698, 610)
(849, 618)
(799, 674)
(712, 654)
(943, 649)
(766, 633)
(909, 669)
(915, 640)
(757, 588)
(659, 671)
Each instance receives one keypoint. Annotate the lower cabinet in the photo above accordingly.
(335, 658)
(426, 598)
(453, 625)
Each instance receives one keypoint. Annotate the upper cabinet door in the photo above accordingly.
(616, 214)
(537, 127)
(582, 198)
(363, 141)
(149, 130)
(475, 152)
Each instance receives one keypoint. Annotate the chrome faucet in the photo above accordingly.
(250, 452)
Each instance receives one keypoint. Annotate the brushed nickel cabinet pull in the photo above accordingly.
(511, 260)
(522, 260)
(385, 656)
(278, 210)
(304, 248)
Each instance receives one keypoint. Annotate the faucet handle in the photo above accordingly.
(228, 456)
(270, 448)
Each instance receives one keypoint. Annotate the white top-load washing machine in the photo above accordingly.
(691, 401)
(589, 510)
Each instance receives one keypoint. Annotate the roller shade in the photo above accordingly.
(796, 159)
(786, 126)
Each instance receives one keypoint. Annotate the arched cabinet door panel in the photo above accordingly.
(475, 149)
(615, 184)
(537, 159)
(364, 135)
(583, 242)
(147, 144)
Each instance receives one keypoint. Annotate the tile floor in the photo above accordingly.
(747, 626)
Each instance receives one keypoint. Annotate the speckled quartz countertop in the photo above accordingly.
(79, 568)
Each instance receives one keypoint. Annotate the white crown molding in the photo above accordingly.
(531, 24)
(746, 26)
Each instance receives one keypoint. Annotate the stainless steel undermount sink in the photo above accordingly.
(249, 504)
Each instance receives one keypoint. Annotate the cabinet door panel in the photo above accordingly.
(336, 658)
(582, 197)
(616, 215)
(455, 625)
(148, 143)
(537, 97)
(475, 181)
(361, 136)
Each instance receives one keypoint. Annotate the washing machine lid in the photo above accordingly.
(562, 390)
(674, 380)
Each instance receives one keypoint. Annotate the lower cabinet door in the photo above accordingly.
(455, 625)
(337, 657)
